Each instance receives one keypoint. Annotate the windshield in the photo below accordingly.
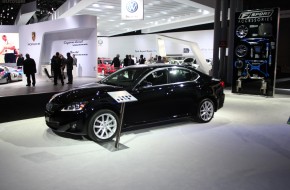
(124, 77)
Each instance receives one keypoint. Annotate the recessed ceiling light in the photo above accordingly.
(109, 7)
(205, 12)
(122, 23)
(93, 9)
(111, 20)
(96, 5)
(148, 16)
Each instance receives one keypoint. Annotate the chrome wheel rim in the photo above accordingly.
(241, 51)
(206, 111)
(105, 126)
(242, 31)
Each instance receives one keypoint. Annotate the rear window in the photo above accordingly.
(181, 75)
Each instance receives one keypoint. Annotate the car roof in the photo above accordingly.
(155, 65)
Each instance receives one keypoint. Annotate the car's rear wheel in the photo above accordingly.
(103, 126)
(205, 111)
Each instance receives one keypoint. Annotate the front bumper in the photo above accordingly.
(72, 123)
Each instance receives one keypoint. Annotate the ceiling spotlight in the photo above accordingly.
(96, 5)
(205, 12)
(109, 7)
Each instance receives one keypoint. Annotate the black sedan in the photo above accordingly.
(163, 92)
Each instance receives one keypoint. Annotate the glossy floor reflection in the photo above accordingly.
(245, 147)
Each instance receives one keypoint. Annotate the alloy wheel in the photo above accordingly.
(105, 126)
(206, 111)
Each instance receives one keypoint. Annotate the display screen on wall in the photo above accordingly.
(9, 47)
(255, 50)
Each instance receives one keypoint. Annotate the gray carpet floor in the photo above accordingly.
(245, 147)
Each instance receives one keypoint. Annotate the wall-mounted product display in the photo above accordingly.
(255, 50)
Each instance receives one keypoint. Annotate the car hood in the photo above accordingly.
(83, 93)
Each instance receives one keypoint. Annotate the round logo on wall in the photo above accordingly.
(132, 6)
(100, 41)
(33, 36)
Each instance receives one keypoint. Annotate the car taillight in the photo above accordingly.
(222, 83)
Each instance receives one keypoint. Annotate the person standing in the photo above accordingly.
(69, 68)
(116, 62)
(159, 59)
(131, 61)
(126, 61)
(141, 60)
(56, 67)
(20, 61)
(29, 69)
(75, 60)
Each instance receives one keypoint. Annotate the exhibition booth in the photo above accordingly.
(76, 35)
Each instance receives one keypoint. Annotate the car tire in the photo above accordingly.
(205, 111)
(103, 126)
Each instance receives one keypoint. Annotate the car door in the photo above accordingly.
(152, 96)
(183, 91)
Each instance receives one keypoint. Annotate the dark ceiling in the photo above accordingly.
(9, 11)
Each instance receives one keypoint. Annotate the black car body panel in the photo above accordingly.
(164, 97)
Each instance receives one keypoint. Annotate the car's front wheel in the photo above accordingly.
(103, 126)
(205, 111)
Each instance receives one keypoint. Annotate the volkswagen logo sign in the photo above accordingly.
(132, 6)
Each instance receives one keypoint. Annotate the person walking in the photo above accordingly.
(56, 67)
(29, 69)
(69, 68)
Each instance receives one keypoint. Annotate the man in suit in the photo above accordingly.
(29, 69)
(69, 68)
(56, 67)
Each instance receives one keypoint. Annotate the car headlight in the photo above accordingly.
(76, 106)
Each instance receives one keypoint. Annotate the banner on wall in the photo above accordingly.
(132, 9)
(255, 50)
(9, 47)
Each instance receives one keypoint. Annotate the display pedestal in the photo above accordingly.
(121, 97)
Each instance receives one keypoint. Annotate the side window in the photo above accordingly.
(181, 75)
(157, 77)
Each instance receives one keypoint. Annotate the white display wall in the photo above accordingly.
(147, 44)
(77, 35)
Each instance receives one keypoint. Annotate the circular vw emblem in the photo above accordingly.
(132, 6)
(100, 41)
